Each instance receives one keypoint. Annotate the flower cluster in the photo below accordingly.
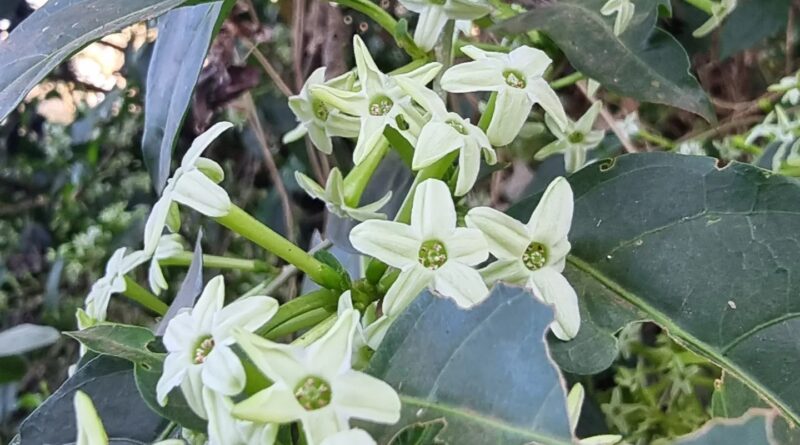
(213, 348)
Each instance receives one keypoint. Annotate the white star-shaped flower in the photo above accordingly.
(534, 254)
(778, 127)
(430, 252)
(317, 119)
(379, 102)
(224, 429)
(624, 9)
(790, 87)
(517, 79)
(333, 197)
(193, 184)
(350, 437)
(168, 246)
(433, 14)
(445, 133)
(574, 140)
(198, 343)
(316, 384)
(113, 282)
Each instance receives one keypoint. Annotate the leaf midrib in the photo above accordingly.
(680, 334)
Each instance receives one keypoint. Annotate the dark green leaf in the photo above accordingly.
(423, 433)
(750, 23)
(176, 410)
(56, 31)
(486, 374)
(645, 62)
(119, 340)
(180, 50)
(26, 337)
(709, 254)
(109, 382)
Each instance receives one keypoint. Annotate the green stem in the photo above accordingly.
(703, 5)
(303, 321)
(244, 224)
(486, 117)
(435, 170)
(386, 21)
(144, 297)
(400, 144)
(218, 262)
(356, 181)
(566, 81)
(319, 299)
(656, 139)
(316, 332)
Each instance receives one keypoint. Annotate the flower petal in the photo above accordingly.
(370, 134)
(350, 102)
(223, 372)
(368, 73)
(156, 221)
(247, 313)
(279, 362)
(209, 303)
(479, 75)
(422, 75)
(429, 26)
(196, 190)
(340, 124)
(436, 140)
(320, 138)
(310, 186)
(90, 427)
(394, 243)
(350, 437)
(202, 142)
(180, 334)
(405, 289)
(552, 218)
(467, 246)
(466, 9)
(175, 366)
(461, 283)
(532, 62)
(586, 122)
(507, 271)
(554, 289)
(322, 423)
(507, 237)
(365, 397)
(540, 92)
(469, 165)
(424, 96)
(192, 388)
(433, 214)
(275, 404)
(330, 355)
(555, 147)
(511, 110)
(574, 159)
(155, 278)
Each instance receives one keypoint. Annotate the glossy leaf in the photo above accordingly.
(56, 31)
(750, 23)
(709, 254)
(26, 337)
(752, 429)
(109, 382)
(119, 340)
(645, 62)
(184, 35)
(487, 375)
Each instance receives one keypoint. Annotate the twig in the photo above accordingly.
(723, 127)
(272, 167)
(298, 34)
(612, 123)
(290, 270)
(269, 69)
(790, 39)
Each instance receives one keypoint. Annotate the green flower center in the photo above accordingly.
(313, 393)
(203, 348)
(576, 137)
(380, 106)
(320, 109)
(457, 125)
(535, 256)
(514, 79)
(432, 254)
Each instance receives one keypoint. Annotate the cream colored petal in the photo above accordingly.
(436, 141)
(461, 283)
(469, 165)
(223, 372)
(350, 437)
(330, 355)
(552, 218)
(202, 142)
(196, 190)
(507, 237)
(393, 243)
(409, 284)
(531, 62)
(507, 271)
(210, 302)
(540, 92)
(479, 75)
(370, 134)
(554, 289)
(429, 26)
(89, 426)
(467, 246)
(279, 362)
(365, 397)
(310, 186)
(433, 214)
(275, 404)
(156, 221)
(247, 313)
(175, 367)
(511, 110)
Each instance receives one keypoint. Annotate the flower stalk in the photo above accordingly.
(219, 262)
(290, 316)
(144, 297)
(246, 225)
(356, 181)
